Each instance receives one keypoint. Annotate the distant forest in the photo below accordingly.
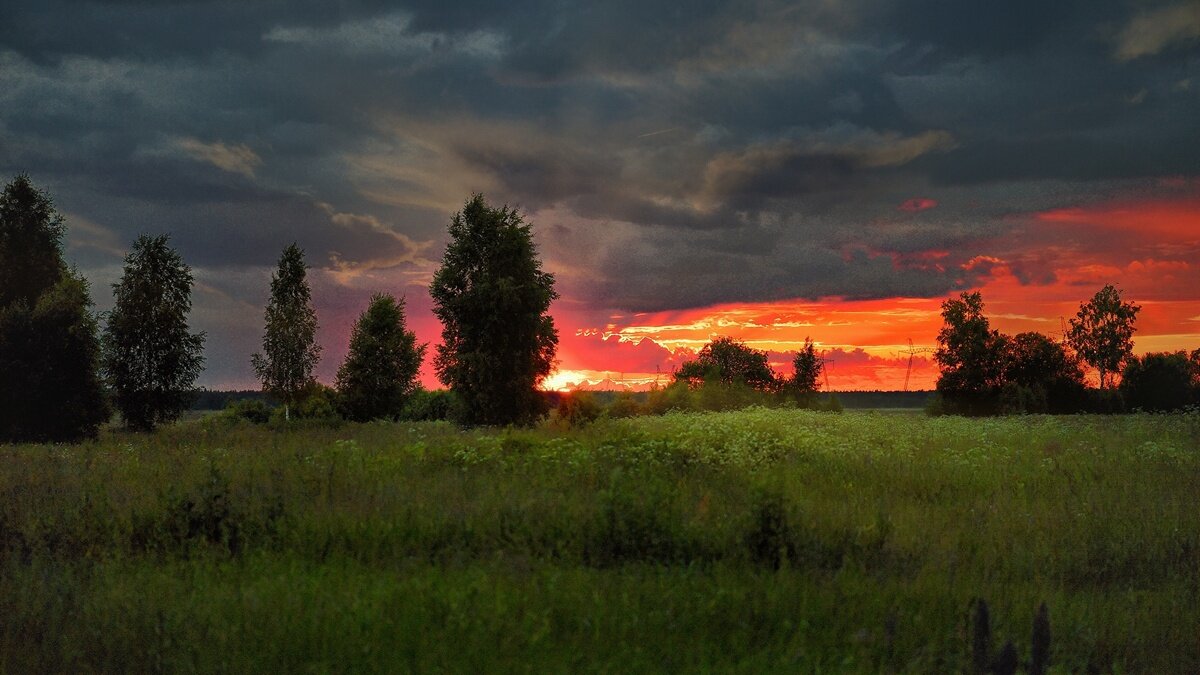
(854, 400)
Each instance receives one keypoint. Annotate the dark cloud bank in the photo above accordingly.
(670, 154)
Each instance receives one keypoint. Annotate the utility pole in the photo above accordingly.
(912, 352)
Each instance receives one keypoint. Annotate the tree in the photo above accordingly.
(729, 362)
(50, 389)
(31, 233)
(807, 370)
(1102, 332)
(380, 371)
(1160, 382)
(1047, 378)
(150, 356)
(491, 295)
(290, 349)
(971, 357)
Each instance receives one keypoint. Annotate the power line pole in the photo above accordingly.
(912, 352)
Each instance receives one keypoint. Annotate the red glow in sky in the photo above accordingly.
(1031, 281)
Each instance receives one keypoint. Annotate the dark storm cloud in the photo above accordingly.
(671, 154)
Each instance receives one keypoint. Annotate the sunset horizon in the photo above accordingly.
(766, 174)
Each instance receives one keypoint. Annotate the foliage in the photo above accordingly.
(577, 408)
(807, 367)
(1041, 377)
(31, 233)
(1160, 382)
(316, 403)
(252, 410)
(625, 404)
(711, 395)
(492, 297)
(151, 358)
(50, 389)
(380, 370)
(290, 349)
(633, 545)
(431, 406)
(729, 362)
(1102, 333)
(971, 356)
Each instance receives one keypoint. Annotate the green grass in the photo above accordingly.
(752, 541)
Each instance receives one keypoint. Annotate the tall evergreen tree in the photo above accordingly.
(380, 371)
(50, 389)
(31, 233)
(151, 358)
(290, 349)
(498, 342)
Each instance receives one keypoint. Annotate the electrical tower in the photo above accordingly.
(825, 363)
(912, 352)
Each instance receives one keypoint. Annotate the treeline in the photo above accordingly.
(62, 374)
(985, 372)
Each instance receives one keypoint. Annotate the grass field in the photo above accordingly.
(752, 541)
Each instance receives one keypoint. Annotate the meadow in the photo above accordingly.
(761, 540)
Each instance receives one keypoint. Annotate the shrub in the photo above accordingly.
(625, 405)
(254, 411)
(577, 408)
(1160, 382)
(317, 403)
(431, 406)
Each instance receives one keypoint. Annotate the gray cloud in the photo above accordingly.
(670, 156)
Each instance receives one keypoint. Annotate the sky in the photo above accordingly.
(765, 170)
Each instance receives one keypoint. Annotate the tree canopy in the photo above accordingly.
(729, 362)
(807, 367)
(380, 370)
(50, 389)
(1102, 333)
(31, 233)
(151, 357)
(492, 297)
(1161, 382)
(290, 349)
(971, 356)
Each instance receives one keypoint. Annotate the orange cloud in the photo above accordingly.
(918, 204)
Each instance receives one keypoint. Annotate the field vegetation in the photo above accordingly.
(761, 540)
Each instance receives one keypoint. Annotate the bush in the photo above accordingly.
(577, 408)
(254, 411)
(431, 406)
(1160, 382)
(625, 405)
(317, 403)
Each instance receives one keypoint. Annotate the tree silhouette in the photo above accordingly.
(807, 367)
(729, 362)
(1160, 382)
(1046, 372)
(380, 371)
(290, 349)
(31, 232)
(50, 389)
(491, 295)
(1102, 332)
(971, 357)
(151, 358)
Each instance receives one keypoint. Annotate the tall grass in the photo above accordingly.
(759, 540)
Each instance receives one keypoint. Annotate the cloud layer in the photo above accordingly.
(670, 157)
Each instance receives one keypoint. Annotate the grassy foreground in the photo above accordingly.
(753, 541)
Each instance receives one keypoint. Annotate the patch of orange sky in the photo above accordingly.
(1031, 280)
